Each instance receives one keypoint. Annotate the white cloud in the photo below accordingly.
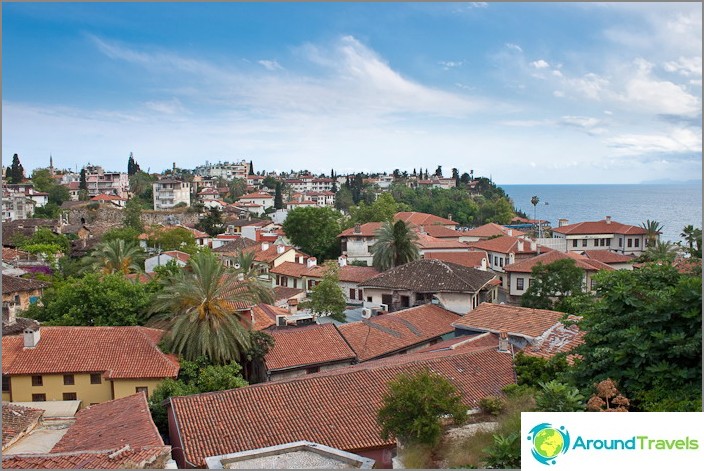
(686, 66)
(540, 64)
(172, 107)
(514, 47)
(270, 65)
(479, 4)
(447, 65)
(677, 140)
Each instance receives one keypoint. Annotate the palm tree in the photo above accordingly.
(116, 256)
(653, 229)
(661, 251)
(534, 201)
(693, 235)
(201, 306)
(395, 245)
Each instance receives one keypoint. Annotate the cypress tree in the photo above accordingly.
(83, 184)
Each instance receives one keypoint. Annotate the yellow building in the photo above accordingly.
(90, 364)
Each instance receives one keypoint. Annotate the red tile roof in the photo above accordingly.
(600, 227)
(348, 273)
(268, 255)
(355, 274)
(255, 196)
(472, 341)
(471, 259)
(507, 244)
(9, 254)
(140, 458)
(424, 219)
(309, 345)
(117, 352)
(196, 233)
(104, 197)
(389, 333)
(292, 269)
(428, 242)
(526, 266)
(559, 338)
(14, 284)
(515, 320)
(608, 257)
(490, 230)
(182, 256)
(17, 420)
(441, 232)
(264, 315)
(112, 424)
(337, 408)
(283, 293)
(366, 230)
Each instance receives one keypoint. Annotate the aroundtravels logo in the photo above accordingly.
(548, 442)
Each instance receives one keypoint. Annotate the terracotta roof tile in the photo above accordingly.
(104, 197)
(283, 293)
(344, 417)
(526, 266)
(608, 257)
(112, 424)
(471, 259)
(428, 242)
(292, 269)
(140, 458)
(388, 333)
(17, 420)
(490, 230)
(309, 345)
(515, 320)
(600, 227)
(13, 284)
(425, 276)
(256, 196)
(441, 232)
(507, 244)
(264, 315)
(182, 256)
(365, 230)
(118, 352)
(424, 219)
(355, 274)
(233, 247)
(559, 338)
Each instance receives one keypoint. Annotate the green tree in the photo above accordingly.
(41, 179)
(128, 234)
(175, 238)
(83, 181)
(94, 300)
(142, 189)
(278, 197)
(45, 236)
(201, 305)
(116, 256)
(552, 283)
(195, 377)
(212, 222)
(382, 209)
(133, 215)
(413, 404)
(554, 396)
(132, 166)
(395, 245)
(693, 235)
(653, 230)
(314, 230)
(644, 332)
(327, 297)
(532, 371)
(269, 182)
(659, 251)
(253, 365)
(58, 194)
(343, 199)
(16, 170)
(237, 187)
(504, 452)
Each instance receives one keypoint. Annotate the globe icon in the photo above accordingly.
(548, 443)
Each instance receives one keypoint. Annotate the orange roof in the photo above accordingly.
(117, 352)
(600, 227)
(17, 420)
(225, 422)
(426, 242)
(366, 230)
(255, 196)
(292, 269)
(182, 256)
(506, 244)
(304, 346)
(112, 424)
(348, 273)
(515, 320)
(104, 197)
(355, 274)
(471, 259)
(264, 315)
(389, 333)
(526, 266)
(607, 256)
(441, 232)
(425, 219)
(559, 338)
(492, 229)
(268, 255)
(136, 458)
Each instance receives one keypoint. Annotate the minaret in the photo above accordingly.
(51, 165)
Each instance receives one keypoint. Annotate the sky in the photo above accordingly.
(523, 93)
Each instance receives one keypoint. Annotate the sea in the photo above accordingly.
(674, 205)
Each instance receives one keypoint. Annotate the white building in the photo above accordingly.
(601, 235)
(226, 170)
(257, 202)
(168, 193)
(181, 259)
(109, 183)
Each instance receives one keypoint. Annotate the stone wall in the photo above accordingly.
(112, 217)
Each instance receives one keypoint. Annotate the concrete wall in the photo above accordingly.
(456, 302)
(126, 387)
(24, 297)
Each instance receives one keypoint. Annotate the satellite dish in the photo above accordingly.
(237, 266)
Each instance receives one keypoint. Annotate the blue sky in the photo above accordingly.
(521, 92)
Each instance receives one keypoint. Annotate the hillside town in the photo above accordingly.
(233, 317)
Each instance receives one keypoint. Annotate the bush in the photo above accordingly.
(492, 405)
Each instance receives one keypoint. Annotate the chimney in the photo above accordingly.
(503, 341)
(533, 246)
(357, 228)
(240, 277)
(280, 249)
(509, 232)
(292, 305)
(520, 245)
(483, 267)
(265, 246)
(562, 222)
(31, 337)
(311, 262)
(9, 313)
(421, 229)
(342, 261)
(608, 219)
(449, 216)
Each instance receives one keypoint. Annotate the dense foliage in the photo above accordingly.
(413, 405)
(396, 244)
(552, 283)
(314, 230)
(327, 297)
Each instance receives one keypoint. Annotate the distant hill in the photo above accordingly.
(667, 181)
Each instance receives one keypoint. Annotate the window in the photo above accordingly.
(369, 249)
(352, 293)
(584, 242)
(143, 389)
(38, 397)
(519, 284)
(314, 369)
(17, 299)
(95, 378)
(37, 381)
(69, 380)
(608, 242)
(574, 243)
(405, 301)
(70, 396)
(630, 242)
(295, 283)
(5, 383)
(489, 259)
(33, 299)
(369, 299)
(359, 294)
(386, 299)
(637, 242)
(620, 242)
